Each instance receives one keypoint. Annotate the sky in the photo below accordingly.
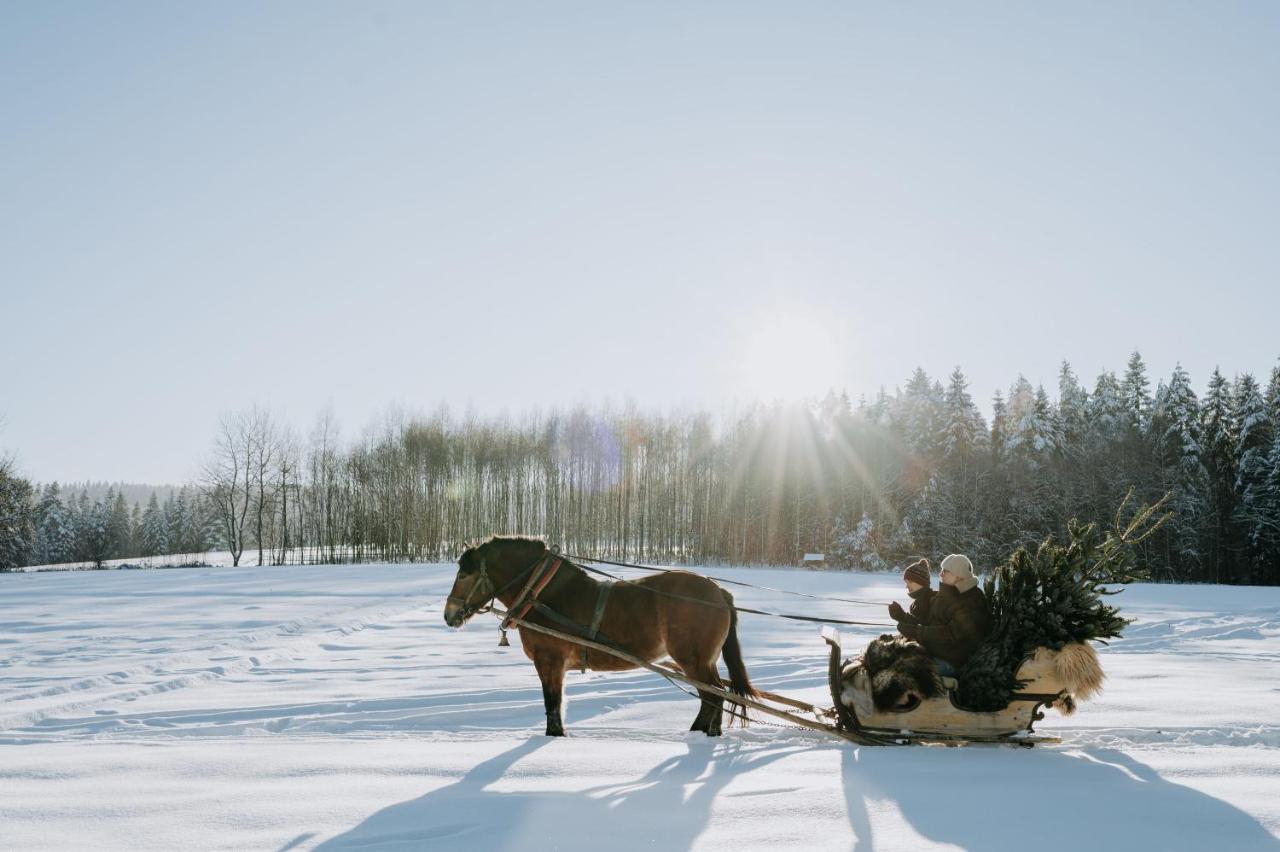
(502, 207)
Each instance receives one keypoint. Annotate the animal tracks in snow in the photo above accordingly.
(1179, 633)
(1264, 736)
(237, 654)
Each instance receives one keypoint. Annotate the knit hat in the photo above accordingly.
(917, 572)
(958, 564)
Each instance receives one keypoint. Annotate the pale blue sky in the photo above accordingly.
(504, 205)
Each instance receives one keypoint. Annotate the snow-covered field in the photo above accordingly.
(330, 707)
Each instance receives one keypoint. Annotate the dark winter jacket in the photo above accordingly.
(958, 623)
(921, 604)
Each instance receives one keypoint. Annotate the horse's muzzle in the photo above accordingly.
(453, 614)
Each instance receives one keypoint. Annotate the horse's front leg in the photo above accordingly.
(550, 666)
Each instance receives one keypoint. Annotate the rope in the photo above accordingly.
(716, 605)
(727, 580)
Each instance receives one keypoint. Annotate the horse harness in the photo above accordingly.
(540, 576)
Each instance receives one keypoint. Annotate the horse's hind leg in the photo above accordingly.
(711, 706)
(696, 649)
(551, 672)
(701, 722)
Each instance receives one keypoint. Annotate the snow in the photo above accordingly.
(213, 558)
(329, 707)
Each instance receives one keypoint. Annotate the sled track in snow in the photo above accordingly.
(230, 656)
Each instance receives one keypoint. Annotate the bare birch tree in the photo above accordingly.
(226, 481)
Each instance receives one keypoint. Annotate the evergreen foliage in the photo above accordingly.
(1218, 438)
(1055, 595)
(55, 532)
(155, 529)
(857, 548)
(17, 518)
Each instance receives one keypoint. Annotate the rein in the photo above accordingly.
(725, 580)
(716, 605)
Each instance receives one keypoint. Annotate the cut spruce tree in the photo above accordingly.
(1054, 595)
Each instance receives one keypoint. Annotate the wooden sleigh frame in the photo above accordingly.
(941, 719)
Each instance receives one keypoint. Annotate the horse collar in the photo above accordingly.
(542, 574)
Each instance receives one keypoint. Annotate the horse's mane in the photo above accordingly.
(503, 540)
(511, 539)
(526, 540)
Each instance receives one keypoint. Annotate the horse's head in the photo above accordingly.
(473, 588)
(485, 571)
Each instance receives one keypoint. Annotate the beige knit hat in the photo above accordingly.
(958, 564)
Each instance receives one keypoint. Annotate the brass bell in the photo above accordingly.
(503, 643)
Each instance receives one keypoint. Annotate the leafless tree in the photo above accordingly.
(226, 480)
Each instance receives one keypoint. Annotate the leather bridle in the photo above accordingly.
(488, 589)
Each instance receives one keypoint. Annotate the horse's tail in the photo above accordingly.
(739, 682)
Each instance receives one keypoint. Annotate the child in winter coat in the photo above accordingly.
(916, 578)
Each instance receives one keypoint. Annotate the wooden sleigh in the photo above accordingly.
(1050, 678)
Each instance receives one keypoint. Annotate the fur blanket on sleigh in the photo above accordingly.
(900, 671)
(901, 674)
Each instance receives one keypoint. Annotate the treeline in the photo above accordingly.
(870, 482)
(918, 471)
(52, 529)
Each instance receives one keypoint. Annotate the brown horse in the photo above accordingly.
(675, 613)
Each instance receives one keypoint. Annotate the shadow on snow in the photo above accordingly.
(1046, 799)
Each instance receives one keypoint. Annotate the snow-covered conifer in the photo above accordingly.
(94, 531)
(921, 414)
(1134, 393)
(857, 548)
(1035, 434)
(177, 513)
(1072, 406)
(119, 528)
(17, 519)
(155, 529)
(962, 427)
(54, 528)
(999, 424)
(1175, 427)
(1219, 443)
(1254, 434)
(1106, 411)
